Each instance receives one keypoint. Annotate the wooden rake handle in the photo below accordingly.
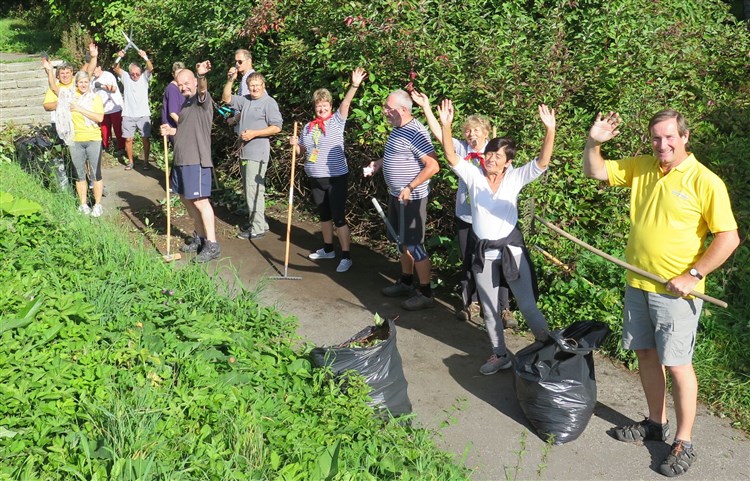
(291, 200)
(622, 263)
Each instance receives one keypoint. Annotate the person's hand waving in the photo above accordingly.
(605, 127)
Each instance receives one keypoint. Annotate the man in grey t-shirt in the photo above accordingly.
(259, 120)
(136, 113)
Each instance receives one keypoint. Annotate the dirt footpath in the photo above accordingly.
(485, 425)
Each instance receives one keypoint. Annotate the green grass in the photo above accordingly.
(119, 366)
(20, 36)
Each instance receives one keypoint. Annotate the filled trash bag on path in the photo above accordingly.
(379, 364)
(555, 381)
(37, 154)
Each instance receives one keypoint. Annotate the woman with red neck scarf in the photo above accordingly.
(322, 140)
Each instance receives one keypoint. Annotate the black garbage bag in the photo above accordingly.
(555, 381)
(380, 365)
(39, 154)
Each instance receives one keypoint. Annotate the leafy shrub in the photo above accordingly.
(117, 367)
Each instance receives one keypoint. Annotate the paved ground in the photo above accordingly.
(441, 359)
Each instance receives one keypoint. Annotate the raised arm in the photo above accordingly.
(51, 80)
(445, 110)
(226, 94)
(201, 69)
(117, 69)
(358, 76)
(94, 54)
(548, 119)
(604, 129)
(423, 101)
(149, 65)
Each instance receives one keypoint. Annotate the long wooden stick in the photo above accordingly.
(624, 264)
(169, 257)
(289, 213)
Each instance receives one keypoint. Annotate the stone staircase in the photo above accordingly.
(22, 88)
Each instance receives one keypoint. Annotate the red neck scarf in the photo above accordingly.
(475, 155)
(320, 122)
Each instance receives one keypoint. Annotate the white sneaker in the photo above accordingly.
(344, 265)
(322, 254)
(97, 210)
(84, 209)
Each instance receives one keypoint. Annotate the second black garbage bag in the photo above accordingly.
(555, 380)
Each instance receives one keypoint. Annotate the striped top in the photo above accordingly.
(405, 147)
(325, 152)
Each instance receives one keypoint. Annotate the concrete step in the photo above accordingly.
(36, 72)
(6, 68)
(24, 83)
(9, 101)
(22, 89)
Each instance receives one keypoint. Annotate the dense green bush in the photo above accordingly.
(116, 366)
(499, 58)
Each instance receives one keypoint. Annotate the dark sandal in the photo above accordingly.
(645, 430)
(146, 166)
(679, 460)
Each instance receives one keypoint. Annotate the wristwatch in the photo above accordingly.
(694, 272)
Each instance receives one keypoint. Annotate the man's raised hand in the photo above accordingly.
(202, 68)
(605, 127)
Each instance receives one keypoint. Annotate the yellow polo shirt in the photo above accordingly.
(670, 215)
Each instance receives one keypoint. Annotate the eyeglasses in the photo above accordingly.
(239, 62)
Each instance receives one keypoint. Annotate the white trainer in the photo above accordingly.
(322, 254)
(344, 265)
(84, 209)
(97, 210)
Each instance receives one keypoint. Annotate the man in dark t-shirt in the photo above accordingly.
(192, 173)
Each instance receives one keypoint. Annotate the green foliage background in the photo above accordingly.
(498, 58)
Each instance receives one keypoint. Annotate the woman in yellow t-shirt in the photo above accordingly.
(82, 110)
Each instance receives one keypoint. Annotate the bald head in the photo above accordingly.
(187, 83)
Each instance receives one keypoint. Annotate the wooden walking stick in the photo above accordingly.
(169, 257)
(289, 216)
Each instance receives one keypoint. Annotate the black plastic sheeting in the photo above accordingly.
(380, 366)
(555, 381)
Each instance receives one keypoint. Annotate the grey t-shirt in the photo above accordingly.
(192, 142)
(256, 115)
(135, 94)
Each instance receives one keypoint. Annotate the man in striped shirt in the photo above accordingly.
(408, 164)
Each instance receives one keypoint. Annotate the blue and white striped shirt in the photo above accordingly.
(326, 159)
(402, 162)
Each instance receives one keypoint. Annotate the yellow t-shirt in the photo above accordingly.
(51, 96)
(84, 132)
(670, 215)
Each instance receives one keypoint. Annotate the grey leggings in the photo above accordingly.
(488, 287)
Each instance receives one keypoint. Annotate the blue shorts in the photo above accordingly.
(191, 181)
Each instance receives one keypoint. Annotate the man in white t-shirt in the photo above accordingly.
(105, 85)
(136, 114)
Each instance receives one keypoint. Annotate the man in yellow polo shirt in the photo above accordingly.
(675, 202)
